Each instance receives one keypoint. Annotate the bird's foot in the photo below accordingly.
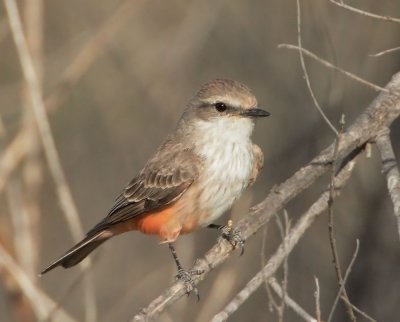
(186, 278)
(233, 236)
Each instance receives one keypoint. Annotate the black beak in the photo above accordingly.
(255, 112)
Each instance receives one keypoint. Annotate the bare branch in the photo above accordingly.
(290, 302)
(317, 300)
(365, 13)
(391, 171)
(306, 77)
(384, 52)
(332, 239)
(381, 112)
(346, 276)
(362, 313)
(272, 305)
(284, 231)
(283, 251)
(329, 65)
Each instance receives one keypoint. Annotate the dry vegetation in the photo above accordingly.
(88, 89)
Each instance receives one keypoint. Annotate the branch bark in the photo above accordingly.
(391, 171)
(380, 114)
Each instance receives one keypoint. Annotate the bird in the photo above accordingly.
(192, 179)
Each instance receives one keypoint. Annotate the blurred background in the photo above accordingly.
(116, 75)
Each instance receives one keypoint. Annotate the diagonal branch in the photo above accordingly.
(364, 13)
(391, 171)
(384, 52)
(306, 77)
(329, 65)
(286, 246)
(381, 113)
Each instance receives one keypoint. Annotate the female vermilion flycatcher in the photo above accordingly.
(194, 176)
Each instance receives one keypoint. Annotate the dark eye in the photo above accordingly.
(220, 107)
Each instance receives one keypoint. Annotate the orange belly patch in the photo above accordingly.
(163, 222)
(153, 223)
(166, 223)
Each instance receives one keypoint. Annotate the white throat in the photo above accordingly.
(226, 147)
(225, 130)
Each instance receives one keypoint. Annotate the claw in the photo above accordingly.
(187, 280)
(233, 236)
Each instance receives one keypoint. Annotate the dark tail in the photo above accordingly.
(77, 253)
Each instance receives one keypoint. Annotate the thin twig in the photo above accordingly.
(365, 13)
(346, 276)
(390, 170)
(284, 231)
(272, 305)
(332, 239)
(291, 240)
(362, 313)
(384, 52)
(329, 65)
(290, 302)
(306, 77)
(317, 300)
(53, 160)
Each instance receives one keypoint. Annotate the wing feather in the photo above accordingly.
(162, 181)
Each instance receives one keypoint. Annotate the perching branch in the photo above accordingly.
(287, 245)
(390, 170)
(381, 113)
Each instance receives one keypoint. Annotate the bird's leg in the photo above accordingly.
(185, 276)
(231, 234)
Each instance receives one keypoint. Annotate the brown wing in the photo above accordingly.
(258, 164)
(162, 181)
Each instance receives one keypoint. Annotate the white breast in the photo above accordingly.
(226, 148)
